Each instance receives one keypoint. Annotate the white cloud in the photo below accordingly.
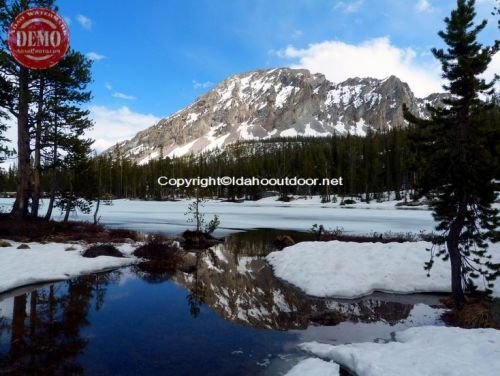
(108, 86)
(110, 127)
(115, 125)
(376, 58)
(493, 68)
(94, 56)
(84, 21)
(348, 6)
(423, 6)
(123, 96)
(202, 85)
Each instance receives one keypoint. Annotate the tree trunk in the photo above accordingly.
(18, 328)
(33, 315)
(96, 219)
(52, 198)
(452, 242)
(53, 183)
(37, 170)
(23, 148)
(68, 210)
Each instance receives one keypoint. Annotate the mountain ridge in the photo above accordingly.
(278, 102)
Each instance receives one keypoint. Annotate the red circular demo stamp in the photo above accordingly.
(38, 38)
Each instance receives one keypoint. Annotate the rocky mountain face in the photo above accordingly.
(276, 103)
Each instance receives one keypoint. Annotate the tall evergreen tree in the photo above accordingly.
(16, 98)
(457, 166)
(46, 104)
(65, 123)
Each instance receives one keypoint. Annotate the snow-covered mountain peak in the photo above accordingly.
(271, 103)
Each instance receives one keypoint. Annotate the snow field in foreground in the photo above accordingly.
(421, 351)
(50, 262)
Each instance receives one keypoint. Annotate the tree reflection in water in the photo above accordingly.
(45, 328)
(196, 297)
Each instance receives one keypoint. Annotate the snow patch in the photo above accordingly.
(283, 95)
(314, 367)
(181, 150)
(420, 351)
(51, 262)
(150, 157)
(350, 270)
(289, 133)
(192, 117)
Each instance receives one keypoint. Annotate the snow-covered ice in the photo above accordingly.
(51, 262)
(420, 351)
(349, 269)
(314, 367)
(300, 214)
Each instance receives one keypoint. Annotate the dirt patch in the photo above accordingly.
(5, 243)
(282, 241)
(102, 250)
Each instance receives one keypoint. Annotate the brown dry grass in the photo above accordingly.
(160, 259)
(157, 249)
(283, 241)
(40, 230)
(476, 313)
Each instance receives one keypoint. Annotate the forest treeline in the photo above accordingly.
(369, 165)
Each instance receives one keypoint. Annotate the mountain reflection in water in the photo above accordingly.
(236, 281)
(208, 318)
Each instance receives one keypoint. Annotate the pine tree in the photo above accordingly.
(65, 123)
(16, 98)
(457, 167)
(4, 149)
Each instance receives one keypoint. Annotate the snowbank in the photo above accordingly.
(423, 351)
(50, 262)
(350, 270)
(314, 367)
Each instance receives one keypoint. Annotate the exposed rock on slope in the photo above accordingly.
(271, 103)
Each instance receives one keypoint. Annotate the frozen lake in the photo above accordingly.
(169, 217)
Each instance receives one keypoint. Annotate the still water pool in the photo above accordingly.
(226, 316)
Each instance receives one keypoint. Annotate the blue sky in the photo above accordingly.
(153, 57)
